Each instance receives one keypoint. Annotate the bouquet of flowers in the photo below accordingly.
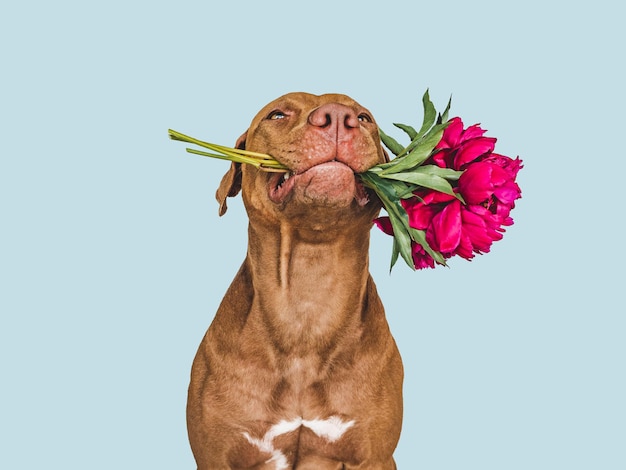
(446, 193)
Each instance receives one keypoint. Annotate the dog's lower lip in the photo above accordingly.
(281, 185)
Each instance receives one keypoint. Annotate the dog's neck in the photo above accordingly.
(304, 283)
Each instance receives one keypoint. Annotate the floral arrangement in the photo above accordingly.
(447, 193)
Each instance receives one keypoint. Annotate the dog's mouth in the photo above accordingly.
(330, 183)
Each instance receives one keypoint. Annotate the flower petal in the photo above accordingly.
(472, 132)
(452, 134)
(465, 248)
(421, 259)
(507, 193)
(475, 183)
(422, 208)
(472, 149)
(384, 223)
(420, 215)
(446, 227)
(479, 230)
(506, 163)
(442, 158)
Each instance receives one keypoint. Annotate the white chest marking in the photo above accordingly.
(330, 429)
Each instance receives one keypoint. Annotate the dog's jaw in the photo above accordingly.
(332, 183)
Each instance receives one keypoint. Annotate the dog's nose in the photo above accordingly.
(334, 116)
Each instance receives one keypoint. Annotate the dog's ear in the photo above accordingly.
(231, 181)
(229, 186)
(385, 154)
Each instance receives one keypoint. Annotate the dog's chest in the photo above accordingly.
(298, 442)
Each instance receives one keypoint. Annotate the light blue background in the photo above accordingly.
(113, 258)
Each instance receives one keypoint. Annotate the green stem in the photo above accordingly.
(260, 160)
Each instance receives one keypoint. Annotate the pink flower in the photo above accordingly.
(423, 207)
(487, 186)
(506, 163)
(490, 183)
(451, 227)
(458, 147)
(480, 230)
(485, 180)
(421, 259)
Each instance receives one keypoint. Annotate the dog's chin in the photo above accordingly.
(331, 184)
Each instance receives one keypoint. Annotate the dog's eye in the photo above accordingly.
(276, 115)
(363, 117)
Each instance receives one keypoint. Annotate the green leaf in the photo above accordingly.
(400, 223)
(380, 167)
(410, 194)
(394, 253)
(396, 187)
(425, 180)
(444, 117)
(429, 115)
(391, 143)
(447, 173)
(419, 154)
(412, 133)
(397, 215)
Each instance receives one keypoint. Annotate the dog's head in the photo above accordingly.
(324, 141)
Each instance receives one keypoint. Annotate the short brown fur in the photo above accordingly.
(301, 332)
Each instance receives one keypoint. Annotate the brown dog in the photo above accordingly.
(298, 369)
